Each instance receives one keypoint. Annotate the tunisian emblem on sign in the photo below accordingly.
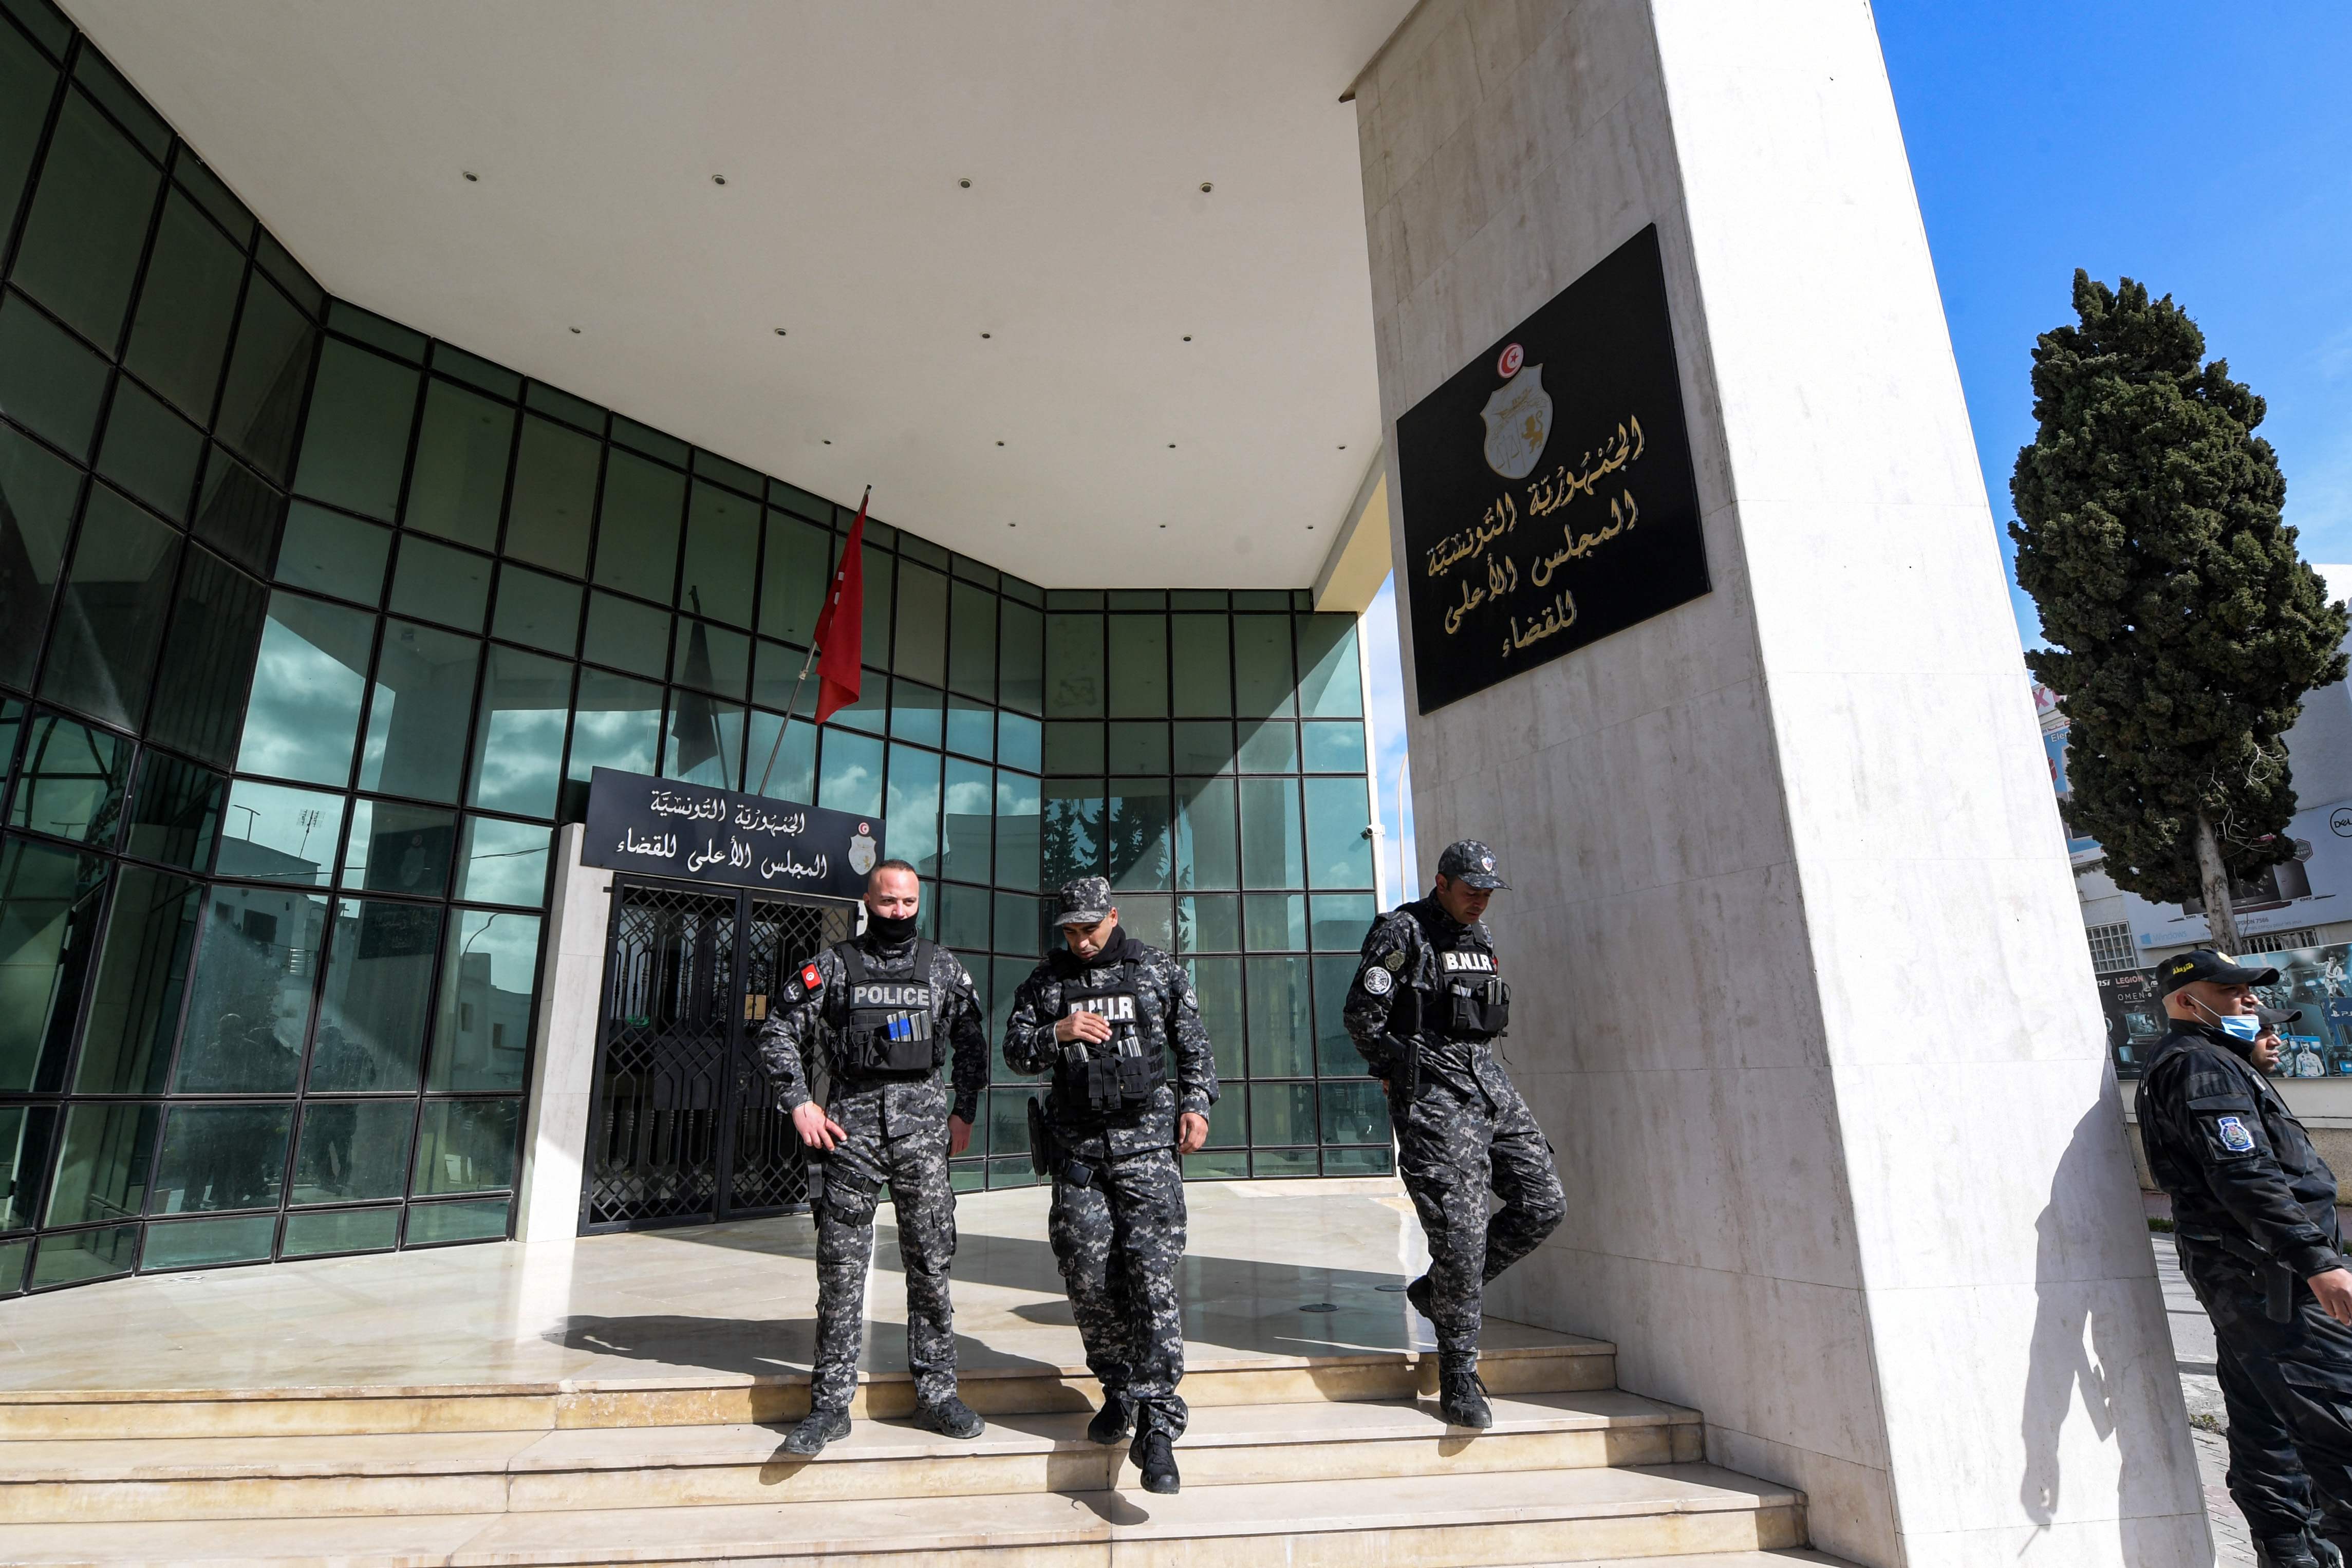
(1518, 423)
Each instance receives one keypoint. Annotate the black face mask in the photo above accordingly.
(901, 929)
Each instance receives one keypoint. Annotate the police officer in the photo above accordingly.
(1101, 1015)
(2253, 1215)
(1427, 1004)
(890, 1005)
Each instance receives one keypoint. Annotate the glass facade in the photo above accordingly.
(311, 629)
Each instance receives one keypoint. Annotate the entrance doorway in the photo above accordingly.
(683, 1123)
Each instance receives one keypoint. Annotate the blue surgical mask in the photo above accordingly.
(2246, 1027)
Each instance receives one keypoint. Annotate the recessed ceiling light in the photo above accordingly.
(1188, 337)
(1163, 526)
(983, 334)
(1000, 443)
(1206, 187)
(576, 331)
(1011, 525)
(780, 331)
(1171, 445)
(1343, 446)
(828, 441)
(965, 183)
(472, 178)
(718, 179)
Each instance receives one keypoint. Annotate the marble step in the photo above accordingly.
(1584, 1516)
(494, 1472)
(1561, 1365)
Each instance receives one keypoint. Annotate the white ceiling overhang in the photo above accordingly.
(1045, 307)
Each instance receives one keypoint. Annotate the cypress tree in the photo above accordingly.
(2184, 627)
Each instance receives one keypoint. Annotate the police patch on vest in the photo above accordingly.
(1377, 981)
(888, 994)
(1467, 962)
(2234, 1134)
(1115, 1009)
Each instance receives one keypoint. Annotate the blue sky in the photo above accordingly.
(2205, 149)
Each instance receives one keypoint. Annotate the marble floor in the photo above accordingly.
(1274, 1269)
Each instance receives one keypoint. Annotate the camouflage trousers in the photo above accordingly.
(896, 1136)
(1119, 1242)
(1454, 1147)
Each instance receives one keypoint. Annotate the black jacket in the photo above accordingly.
(2235, 1161)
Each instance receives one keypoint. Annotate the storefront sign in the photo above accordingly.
(2289, 896)
(666, 828)
(1547, 489)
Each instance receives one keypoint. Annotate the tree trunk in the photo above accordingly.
(2220, 918)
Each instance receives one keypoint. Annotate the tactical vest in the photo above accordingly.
(885, 1024)
(1118, 1073)
(1471, 1001)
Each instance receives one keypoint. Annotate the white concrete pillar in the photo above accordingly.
(563, 1065)
(1803, 995)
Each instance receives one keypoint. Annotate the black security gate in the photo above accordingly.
(684, 1128)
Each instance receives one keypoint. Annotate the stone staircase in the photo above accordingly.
(1300, 1462)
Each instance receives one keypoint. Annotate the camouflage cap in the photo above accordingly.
(1470, 863)
(1083, 902)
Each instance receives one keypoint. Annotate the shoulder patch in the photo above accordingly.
(1377, 981)
(811, 977)
(1393, 959)
(2233, 1132)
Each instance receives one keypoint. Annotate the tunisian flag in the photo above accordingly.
(841, 625)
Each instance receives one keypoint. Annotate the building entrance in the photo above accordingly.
(683, 1124)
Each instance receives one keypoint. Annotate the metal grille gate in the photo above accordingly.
(684, 1127)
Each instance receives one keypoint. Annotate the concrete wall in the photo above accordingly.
(1905, 1271)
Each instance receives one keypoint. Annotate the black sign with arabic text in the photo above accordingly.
(667, 828)
(1547, 489)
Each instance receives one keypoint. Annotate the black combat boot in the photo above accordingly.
(1113, 1422)
(1155, 1456)
(951, 1417)
(1461, 1395)
(815, 1430)
(1418, 1294)
(2300, 1550)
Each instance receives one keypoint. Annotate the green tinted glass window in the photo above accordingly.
(460, 480)
(1203, 746)
(914, 808)
(394, 848)
(554, 497)
(968, 811)
(1269, 746)
(518, 732)
(878, 571)
(351, 1151)
(1020, 741)
(180, 334)
(423, 692)
(972, 657)
(1273, 851)
(221, 1157)
(327, 552)
(1262, 675)
(70, 781)
(453, 360)
(303, 716)
(1208, 853)
(1021, 654)
(249, 1012)
(370, 327)
(1339, 855)
(1330, 686)
(917, 714)
(637, 527)
(27, 84)
(783, 766)
(273, 833)
(537, 609)
(175, 811)
(1335, 1052)
(712, 659)
(262, 399)
(36, 503)
(922, 624)
(628, 635)
(972, 728)
(1333, 748)
(1074, 748)
(481, 1031)
(1217, 987)
(794, 573)
(89, 223)
(374, 1007)
(722, 546)
(502, 862)
(850, 773)
(706, 740)
(1280, 1043)
(468, 1145)
(217, 614)
(1016, 923)
(964, 917)
(79, 1256)
(1019, 807)
(1074, 658)
(1138, 748)
(1138, 667)
(438, 583)
(1341, 921)
(205, 185)
(1142, 851)
(616, 723)
(110, 613)
(49, 899)
(150, 451)
(357, 435)
(341, 1230)
(1204, 667)
(1274, 923)
(206, 1242)
(1209, 922)
(1071, 831)
(237, 513)
(49, 383)
(438, 1225)
(104, 1163)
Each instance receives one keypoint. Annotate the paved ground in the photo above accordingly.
(2192, 1346)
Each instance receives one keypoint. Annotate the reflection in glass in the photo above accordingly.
(1279, 1164)
(1019, 741)
(636, 538)
(436, 582)
(628, 635)
(1269, 746)
(250, 1007)
(221, 1157)
(273, 834)
(1074, 659)
(712, 659)
(537, 609)
(467, 1145)
(372, 1013)
(616, 723)
(303, 716)
(1149, 918)
(519, 735)
(964, 917)
(1203, 746)
(352, 1149)
(852, 776)
(36, 500)
(917, 714)
(459, 477)
(554, 495)
(481, 1219)
(1141, 849)
(416, 715)
(1217, 983)
(134, 1009)
(48, 383)
(1018, 808)
(1138, 748)
(1281, 1113)
(1073, 747)
(1138, 667)
(206, 1242)
(181, 332)
(1204, 667)
(109, 617)
(1209, 922)
(70, 783)
(1343, 921)
(150, 451)
(330, 553)
(972, 727)
(481, 1033)
(794, 773)
(49, 902)
(78, 1256)
(399, 849)
(217, 614)
(1335, 1052)
(1330, 685)
(1339, 854)
(1333, 748)
(88, 223)
(1020, 658)
(1275, 922)
(914, 814)
(1016, 923)
(1280, 1045)
(1262, 674)
(1071, 831)
(24, 1158)
(1273, 855)
(103, 1163)
(1355, 1113)
(971, 659)
(504, 862)
(357, 435)
(968, 811)
(722, 545)
(238, 514)
(706, 740)
(794, 573)
(1208, 856)
(339, 1230)
(922, 647)
(878, 570)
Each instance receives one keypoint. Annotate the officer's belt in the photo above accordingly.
(857, 1078)
(2278, 1279)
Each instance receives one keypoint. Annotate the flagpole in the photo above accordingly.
(798, 681)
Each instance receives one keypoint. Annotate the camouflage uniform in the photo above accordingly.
(1117, 1219)
(896, 1130)
(1461, 1128)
